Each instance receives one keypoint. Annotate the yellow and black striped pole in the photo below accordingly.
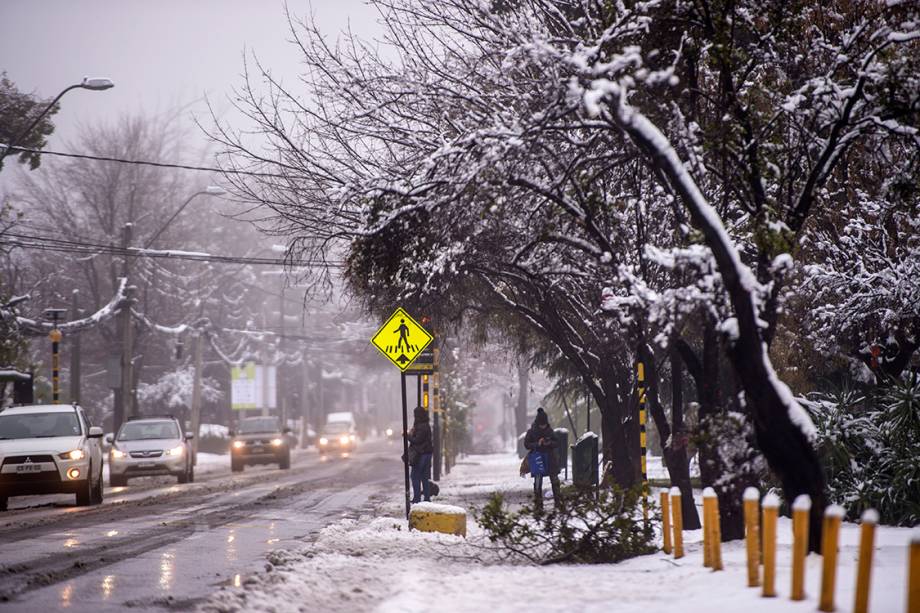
(55, 336)
(436, 409)
(640, 367)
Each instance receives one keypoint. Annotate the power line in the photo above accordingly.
(59, 245)
(102, 158)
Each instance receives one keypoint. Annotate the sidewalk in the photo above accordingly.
(375, 564)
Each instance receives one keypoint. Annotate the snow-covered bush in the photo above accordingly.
(870, 449)
(173, 391)
(581, 528)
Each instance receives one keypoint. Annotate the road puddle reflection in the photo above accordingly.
(108, 586)
(66, 595)
(237, 580)
(167, 568)
(112, 533)
(71, 543)
(231, 545)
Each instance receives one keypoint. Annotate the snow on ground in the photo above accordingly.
(376, 564)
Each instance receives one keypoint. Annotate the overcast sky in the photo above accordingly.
(161, 54)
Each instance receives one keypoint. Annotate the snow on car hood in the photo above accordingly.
(55, 445)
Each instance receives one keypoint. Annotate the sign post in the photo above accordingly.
(401, 339)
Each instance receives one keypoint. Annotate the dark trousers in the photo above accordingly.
(420, 474)
(538, 489)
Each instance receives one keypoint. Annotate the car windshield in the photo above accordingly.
(39, 425)
(337, 427)
(260, 424)
(148, 430)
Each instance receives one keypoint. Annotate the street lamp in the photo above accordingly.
(210, 190)
(95, 84)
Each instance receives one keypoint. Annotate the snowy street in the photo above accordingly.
(156, 544)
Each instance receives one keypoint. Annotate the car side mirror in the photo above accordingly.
(109, 438)
(286, 431)
(189, 436)
(95, 432)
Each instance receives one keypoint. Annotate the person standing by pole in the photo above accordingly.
(420, 451)
(541, 439)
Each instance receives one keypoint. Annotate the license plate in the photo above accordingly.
(29, 468)
(258, 449)
(147, 465)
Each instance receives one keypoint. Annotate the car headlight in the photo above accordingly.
(175, 451)
(343, 439)
(324, 441)
(389, 431)
(76, 454)
(118, 454)
(277, 442)
(238, 444)
(352, 437)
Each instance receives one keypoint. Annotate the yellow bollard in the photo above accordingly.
(677, 520)
(833, 515)
(752, 535)
(864, 568)
(665, 523)
(800, 510)
(913, 574)
(715, 543)
(770, 506)
(709, 505)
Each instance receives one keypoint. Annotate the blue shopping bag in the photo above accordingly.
(538, 462)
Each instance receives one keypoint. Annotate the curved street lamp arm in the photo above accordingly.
(24, 133)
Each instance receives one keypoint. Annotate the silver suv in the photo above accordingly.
(150, 446)
(49, 449)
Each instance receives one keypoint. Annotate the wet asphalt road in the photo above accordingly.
(156, 545)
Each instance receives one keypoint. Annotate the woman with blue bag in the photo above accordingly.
(541, 444)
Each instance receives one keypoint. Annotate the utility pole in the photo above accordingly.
(75, 364)
(124, 395)
(55, 335)
(196, 395)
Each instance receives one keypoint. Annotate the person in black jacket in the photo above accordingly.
(420, 450)
(541, 437)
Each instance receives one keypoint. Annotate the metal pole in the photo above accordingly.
(405, 419)
(196, 396)
(75, 363)
(588, 412)
(418, 385)
(124, 396)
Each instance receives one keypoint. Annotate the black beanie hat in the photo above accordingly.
(420, 414)
(541, 418)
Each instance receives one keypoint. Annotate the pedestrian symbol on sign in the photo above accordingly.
(401, 339)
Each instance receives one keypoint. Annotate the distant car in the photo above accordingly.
(393, 431)
(260, 440)
(337, 437)
(49, 449)
(150, 446)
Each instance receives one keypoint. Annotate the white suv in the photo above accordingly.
(49, 449)
(148, 446)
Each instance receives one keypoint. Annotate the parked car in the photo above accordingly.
(150, 446)
(338, 437)
(49, 449)
(260, 440)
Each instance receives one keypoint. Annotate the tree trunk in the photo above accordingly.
(675, 453)
(620, 458)
(520, 409)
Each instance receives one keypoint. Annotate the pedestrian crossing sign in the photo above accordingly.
(401, 339)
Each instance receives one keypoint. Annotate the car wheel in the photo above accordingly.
(4, 502)
(97, 491)
(191, 474)
(84, 494)
(236, 466)
(285, 462)
(116, 481)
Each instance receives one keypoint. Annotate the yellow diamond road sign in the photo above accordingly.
(401, 339)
